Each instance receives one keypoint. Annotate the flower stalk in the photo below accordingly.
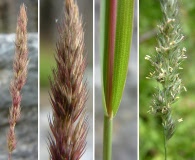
(166, 65)
(69, 124)
(20, 65)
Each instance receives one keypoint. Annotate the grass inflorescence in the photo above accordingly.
(69, 124)
(20, 65)
(166, 64)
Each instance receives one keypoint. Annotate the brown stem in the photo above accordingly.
(111, 46)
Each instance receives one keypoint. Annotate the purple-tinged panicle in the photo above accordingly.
(68, 94)
(20, 65)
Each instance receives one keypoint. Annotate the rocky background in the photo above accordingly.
(27, 127)
(125, 122)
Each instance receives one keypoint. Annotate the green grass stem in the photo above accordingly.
(165, 143)
(107, 145)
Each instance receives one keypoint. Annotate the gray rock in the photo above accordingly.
(27, 127)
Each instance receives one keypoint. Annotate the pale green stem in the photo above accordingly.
(165, 143)
(107, 143)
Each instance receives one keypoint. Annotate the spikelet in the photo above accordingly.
(20, 65)
(68, 94)
(166, 66)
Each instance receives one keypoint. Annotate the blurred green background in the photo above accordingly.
(182, 145)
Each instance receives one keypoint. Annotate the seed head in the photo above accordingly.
(69, 124)
(166, 65)
(20, 64)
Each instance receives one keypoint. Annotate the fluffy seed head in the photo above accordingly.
(68, 94)
(20, 64)
(166, 65)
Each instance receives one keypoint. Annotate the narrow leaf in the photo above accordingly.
(122, 49)
(116, 33)
(104, 46)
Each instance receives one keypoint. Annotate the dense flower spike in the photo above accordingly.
(20, 65)
(68, 94)
(166, 67)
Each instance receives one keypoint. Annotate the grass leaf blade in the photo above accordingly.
(124, 28)
(104, 48)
